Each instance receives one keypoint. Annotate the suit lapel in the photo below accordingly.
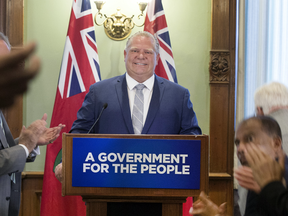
(8, 134)
(122, 94)
(3, 139)
(157, 94)
(7, 137)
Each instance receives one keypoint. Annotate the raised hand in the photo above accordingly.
(245, 178)
(14, 78)
(205, 207)
(30, 136)
(265, 168)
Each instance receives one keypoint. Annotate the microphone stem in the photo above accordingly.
(104, 107)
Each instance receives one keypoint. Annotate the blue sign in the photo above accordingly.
(136, 163)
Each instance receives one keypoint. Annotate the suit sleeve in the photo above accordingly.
(32, 155)
(12, 160)
(189, 121)
(274, 199)
(85, 115)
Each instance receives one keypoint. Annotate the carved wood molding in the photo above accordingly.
(219, 66)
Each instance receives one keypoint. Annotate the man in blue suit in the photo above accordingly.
(167, 108)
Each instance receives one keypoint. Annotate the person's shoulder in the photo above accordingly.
(108, 81)
(169, 83)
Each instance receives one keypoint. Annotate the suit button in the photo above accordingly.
(7, 198)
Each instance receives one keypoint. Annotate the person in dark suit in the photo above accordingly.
(170, 110)
(269, 174)
(167, 108)
(15, 153)
(265, 133)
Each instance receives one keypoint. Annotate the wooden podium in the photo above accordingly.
(96, 198)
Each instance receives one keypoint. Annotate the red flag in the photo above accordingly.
(79, 69)
(156, 24)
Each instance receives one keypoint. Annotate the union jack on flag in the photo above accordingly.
(79, 69)
(155, 23)
(80, 52)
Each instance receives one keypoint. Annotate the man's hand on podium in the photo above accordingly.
(58, 172)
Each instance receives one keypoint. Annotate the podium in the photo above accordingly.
(96, 198)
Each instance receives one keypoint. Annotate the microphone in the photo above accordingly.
(103, 108)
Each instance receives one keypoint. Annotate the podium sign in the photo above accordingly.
(105, 168)
(136, 163)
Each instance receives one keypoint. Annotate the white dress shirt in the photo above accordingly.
(147, 93)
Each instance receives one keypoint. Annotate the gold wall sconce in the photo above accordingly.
(118, 26)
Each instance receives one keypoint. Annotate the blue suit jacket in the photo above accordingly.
(170, 110)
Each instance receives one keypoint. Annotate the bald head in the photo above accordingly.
(261, 130)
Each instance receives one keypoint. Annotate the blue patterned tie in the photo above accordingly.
(137, 114)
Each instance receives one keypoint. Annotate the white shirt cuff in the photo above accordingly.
(36, 150)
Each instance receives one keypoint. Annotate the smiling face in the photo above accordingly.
(251, 131)
(140, 58)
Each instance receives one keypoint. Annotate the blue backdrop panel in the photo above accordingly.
(136, 163)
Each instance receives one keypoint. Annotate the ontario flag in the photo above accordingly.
(79, 69)
(155, 23)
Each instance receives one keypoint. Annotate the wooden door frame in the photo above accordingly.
(12, 25)
(222, 102)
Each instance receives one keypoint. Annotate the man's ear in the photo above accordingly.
(278, 145)
(259, 111)
(157, 58)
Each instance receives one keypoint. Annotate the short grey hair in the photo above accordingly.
(271, 95)
(5, 39)
(145, 34)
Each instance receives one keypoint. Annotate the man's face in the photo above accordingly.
(140, 58)
(251, 132)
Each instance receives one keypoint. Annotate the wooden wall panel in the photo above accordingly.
(219, 128)
(31, 193)
(15, 13)
(11, 24)
(220, 24)
(219, 192)
(222, 100)
(3, 16)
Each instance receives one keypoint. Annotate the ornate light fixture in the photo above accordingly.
(118, 26)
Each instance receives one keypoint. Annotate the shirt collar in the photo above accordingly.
(131, 83)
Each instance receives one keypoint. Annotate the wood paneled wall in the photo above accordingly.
(222, 100)
(11, 24)
(31, 192)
